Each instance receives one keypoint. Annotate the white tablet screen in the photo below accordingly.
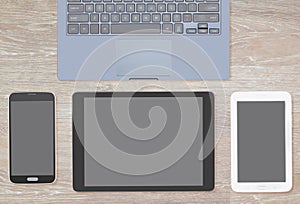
(261, 141)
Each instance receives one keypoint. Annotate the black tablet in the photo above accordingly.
(143, 141)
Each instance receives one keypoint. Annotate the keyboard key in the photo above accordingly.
(178, 28)
(137, 28)
(166, 17)
(191, 31)
(167, 28)
(125, 17)
(212, 0)
(120, 8)
(74, 0)
(151, 7)
(94, 28)
(146, 17)
(171, 7)
(73, 29)
(110, 7)
(78, 17)
(115, 17)
(208, 7)
(214, 30)
(161, 8)
(99, 8)
(177, 17)
(140, 7)
(181, 7)
(203, 31)
(94, 17)
(104, 17)
(104, 29)
(206, 17)
(192, 7)
(89, 8)
(84, 29)
(130, 7)
(187, 17)
(203, 25)
(75, 8)
(156, 17)
(135, 17)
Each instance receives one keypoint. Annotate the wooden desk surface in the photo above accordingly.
(265, 56)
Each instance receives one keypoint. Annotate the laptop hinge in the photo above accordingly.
(141, 78)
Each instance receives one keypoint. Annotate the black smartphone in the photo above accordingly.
(32, 137)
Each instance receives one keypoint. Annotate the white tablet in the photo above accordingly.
(261, 142)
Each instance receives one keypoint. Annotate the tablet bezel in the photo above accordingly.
(78, 149)
(261, 186)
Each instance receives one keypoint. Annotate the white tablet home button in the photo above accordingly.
(32, 179)
(261, 187)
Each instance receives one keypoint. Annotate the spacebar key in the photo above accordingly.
(149, 28)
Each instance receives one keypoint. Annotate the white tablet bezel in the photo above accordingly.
(262, 186)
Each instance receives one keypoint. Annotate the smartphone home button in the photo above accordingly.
(32, 179)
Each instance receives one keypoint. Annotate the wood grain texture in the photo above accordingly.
(265, 55)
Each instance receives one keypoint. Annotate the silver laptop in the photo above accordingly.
(143, 39)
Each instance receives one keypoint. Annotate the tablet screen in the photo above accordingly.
(261, 141)
(108, 143)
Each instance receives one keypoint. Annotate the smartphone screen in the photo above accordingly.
(32, 138)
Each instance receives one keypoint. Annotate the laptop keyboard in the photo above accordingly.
(111, 17)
